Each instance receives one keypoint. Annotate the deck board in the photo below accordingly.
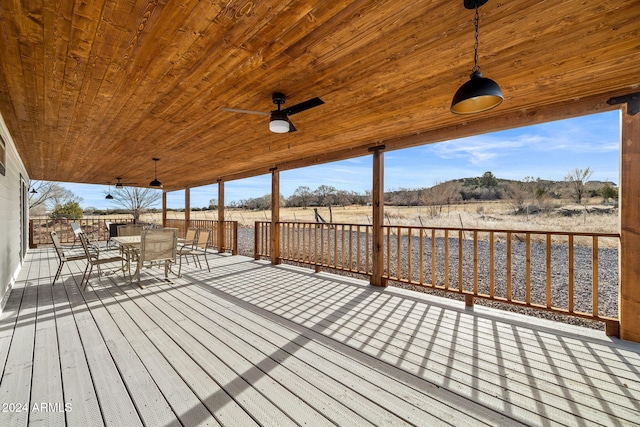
(254, 344)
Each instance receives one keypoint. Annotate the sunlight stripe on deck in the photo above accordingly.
(254, 344)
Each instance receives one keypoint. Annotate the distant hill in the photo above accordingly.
(489, 187)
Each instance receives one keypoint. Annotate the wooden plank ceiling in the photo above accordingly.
(93, 90)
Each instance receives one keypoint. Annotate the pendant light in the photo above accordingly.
(155, 183)
(479, 93)
(109, 196)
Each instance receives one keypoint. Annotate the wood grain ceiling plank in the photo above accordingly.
(15, 111)
(78, 64)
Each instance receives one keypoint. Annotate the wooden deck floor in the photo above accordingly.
(254, 344)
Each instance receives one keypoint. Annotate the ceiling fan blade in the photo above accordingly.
(235, 110)
(292, 128)
(309, 103)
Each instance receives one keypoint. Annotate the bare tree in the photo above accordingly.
(577, 178)
(326, 194)
(303, 194)
(136, 200)
(47, 195)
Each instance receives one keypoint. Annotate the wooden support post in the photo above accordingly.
(629, 253)
(220, 216)
(164, 208)
(275, 216)
(377, 204)
(187, 209)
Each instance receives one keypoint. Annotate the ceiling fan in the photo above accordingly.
(119, 184)
(279, 122)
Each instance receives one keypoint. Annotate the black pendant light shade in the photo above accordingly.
(109, 196)
(155, 183)
(476, 95)
(479, 93)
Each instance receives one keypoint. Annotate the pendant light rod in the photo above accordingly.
(155, 183)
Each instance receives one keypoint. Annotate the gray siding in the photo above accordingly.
(10, 240)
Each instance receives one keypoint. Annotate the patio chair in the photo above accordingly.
(62, 257)
(199, 248)
(129, 230)
(77, 229)
(93, 258)
(189, 238)
(157, 246)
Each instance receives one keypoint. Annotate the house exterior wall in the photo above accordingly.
(10, 224)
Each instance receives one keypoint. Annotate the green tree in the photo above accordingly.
(609, 192)
(70, 210)
(488, 180)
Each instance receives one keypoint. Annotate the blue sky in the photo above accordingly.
(546, 151)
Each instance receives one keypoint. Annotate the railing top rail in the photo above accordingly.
(495, 230)
(316, 223)
(480, 230)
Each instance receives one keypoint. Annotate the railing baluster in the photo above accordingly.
(446, 259)
(388, 230)
(460, 254)
(594, 265)
(492, 254)
(475, 262)
(335, 247)
(342, 230)
(421, 255)
(528, 268)
(571, 266)
(433, 257)
(548, 279)
(409, 256)
(509, 296)
(367, 251)
(350, 247)
(398, 253)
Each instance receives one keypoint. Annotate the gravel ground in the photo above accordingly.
(607, 274)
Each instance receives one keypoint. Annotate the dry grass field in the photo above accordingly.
(485, 215)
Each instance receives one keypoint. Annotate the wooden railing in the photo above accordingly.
(486, 263)
(345, 247)
(230, 231)
(534, 269)
(95, 227)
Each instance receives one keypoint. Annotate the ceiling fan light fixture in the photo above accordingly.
(279, 122)
(479, 93)
(155, 183)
